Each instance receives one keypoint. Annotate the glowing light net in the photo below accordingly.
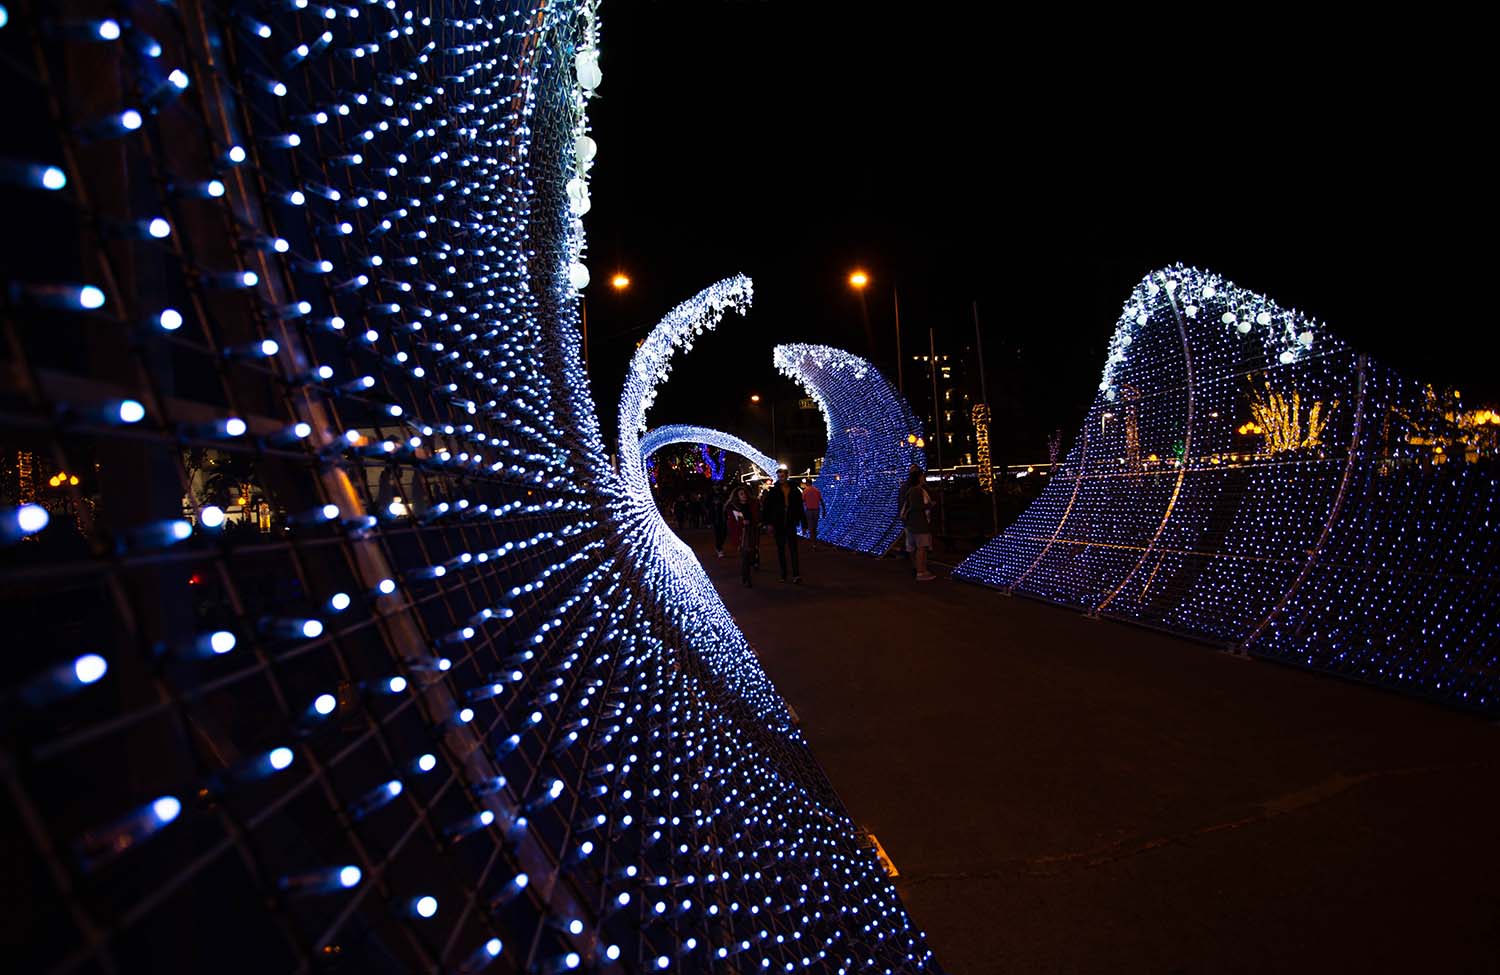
(684, 433)
(872, 443)
(1246, 477)
(652, 362)
(345, 645)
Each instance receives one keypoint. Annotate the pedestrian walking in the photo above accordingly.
(782, 511)
(740, 513)
(717, 514)
(812, 504)
(759, 521)
(734, 527)
(916, 509)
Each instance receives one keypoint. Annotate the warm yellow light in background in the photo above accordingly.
(619, 282)
(981, 418)
(755, 397)
(859, 279)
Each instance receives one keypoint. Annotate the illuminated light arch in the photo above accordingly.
(662, 436)
(1246, 477)
(468, 710)
(635, 506)
(873, 439)
(652, 363)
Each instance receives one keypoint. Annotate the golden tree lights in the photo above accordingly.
(981, 415)
(1451, 433)
(27, 490)
(1278, 419)
(1131, 396)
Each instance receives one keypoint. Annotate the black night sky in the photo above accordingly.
(964, 158)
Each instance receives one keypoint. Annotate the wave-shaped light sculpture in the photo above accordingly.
(673, 433)
(648, 369)
(1246, 477)
(652, 363)
(343, 644)
(873, 439)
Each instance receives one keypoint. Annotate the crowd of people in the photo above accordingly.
(740, 515)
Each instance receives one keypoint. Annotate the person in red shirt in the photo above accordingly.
(812, 504)
(744, 531)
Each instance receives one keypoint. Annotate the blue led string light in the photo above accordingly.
(713, 462)
(671, 575)
(873, 439)
(346, 645)
(1247, 478)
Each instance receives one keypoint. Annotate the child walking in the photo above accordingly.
(741, 514)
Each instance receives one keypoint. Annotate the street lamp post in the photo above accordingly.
(582, 308)
(755, 399)
(619, 282)
(896, 304)
(859, 281)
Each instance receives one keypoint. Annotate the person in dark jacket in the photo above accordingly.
(716, 501)
(781, 509)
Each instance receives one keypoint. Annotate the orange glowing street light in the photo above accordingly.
(619, 282)
(859, 279)
(755, 397)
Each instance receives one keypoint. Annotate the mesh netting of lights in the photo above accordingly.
(1246, 477)
(341, 647)
(675, 433)
(873, 439)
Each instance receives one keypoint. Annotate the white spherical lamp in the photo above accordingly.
(587, 66)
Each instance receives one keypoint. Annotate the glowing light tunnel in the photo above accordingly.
(682, 433)
(873, 440)
(1247, 478)
(344, 643)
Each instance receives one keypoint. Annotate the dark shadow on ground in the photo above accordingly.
(1063, 795)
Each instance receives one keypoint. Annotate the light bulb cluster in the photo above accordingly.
(873, 441)
(1247, 478)
(348, 644)
(674, 433)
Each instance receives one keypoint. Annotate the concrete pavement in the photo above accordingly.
(1064, 795)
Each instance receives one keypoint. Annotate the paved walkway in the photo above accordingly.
(1062, 795)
